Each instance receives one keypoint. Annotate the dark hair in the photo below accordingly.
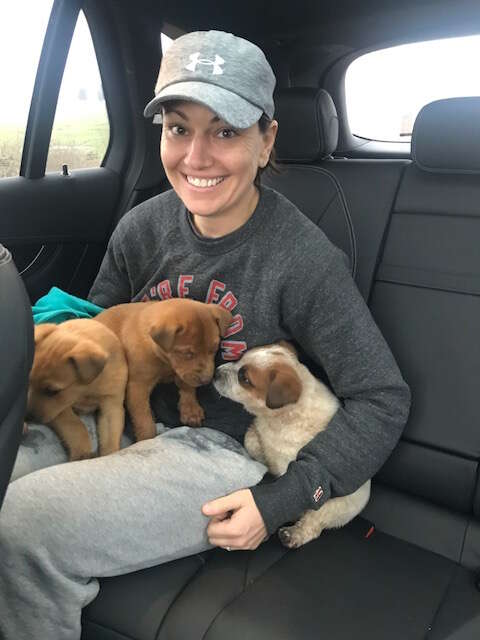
(263, 125)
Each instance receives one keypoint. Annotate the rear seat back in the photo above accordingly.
(426, 301)
(314, 190)
(350, 200)
(416, 227)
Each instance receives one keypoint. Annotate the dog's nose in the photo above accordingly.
(205, 379)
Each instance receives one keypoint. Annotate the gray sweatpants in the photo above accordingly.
(63, 526)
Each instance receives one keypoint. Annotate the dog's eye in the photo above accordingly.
(48, 391)
(243, 377)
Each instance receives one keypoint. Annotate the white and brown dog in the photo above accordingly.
(290, 407)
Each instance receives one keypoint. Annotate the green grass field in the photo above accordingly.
(80, 144)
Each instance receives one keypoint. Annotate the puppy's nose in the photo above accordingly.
(205, 379)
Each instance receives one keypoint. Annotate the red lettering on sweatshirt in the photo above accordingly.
(212, 295)
(182, 288)
(164, 290)
(232, 350)
(235, 327)
(228, 302)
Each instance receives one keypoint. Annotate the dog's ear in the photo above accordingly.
(164, 334)
(289, 346)
(43, 330)
(284, 388)
(88, 361)
(222, 316)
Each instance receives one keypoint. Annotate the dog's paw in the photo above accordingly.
(290, 537)
(192, 415)
(81, 455)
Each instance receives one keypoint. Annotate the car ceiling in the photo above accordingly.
(353, 24)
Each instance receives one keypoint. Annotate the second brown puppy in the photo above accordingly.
(167, 341)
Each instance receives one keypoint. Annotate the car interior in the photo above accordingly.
(408, 218)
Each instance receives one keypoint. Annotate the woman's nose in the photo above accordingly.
(198, 153)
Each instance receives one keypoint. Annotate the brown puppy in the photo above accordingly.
(79, 367)
(167, 341)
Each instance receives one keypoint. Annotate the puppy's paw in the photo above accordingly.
(291, 537)
(191, 414)
(81, 455)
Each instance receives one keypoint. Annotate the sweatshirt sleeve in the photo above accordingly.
(113, 283)
(329, 319)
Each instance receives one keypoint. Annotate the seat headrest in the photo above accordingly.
(446, 136)
(307, 124)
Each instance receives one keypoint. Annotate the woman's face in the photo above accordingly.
(210, 165)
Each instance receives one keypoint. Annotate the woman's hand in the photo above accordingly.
(235, 521)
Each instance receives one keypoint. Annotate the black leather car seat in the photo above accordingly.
(16, 355)
(308, 133)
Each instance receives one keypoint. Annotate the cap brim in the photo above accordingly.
(229, 106)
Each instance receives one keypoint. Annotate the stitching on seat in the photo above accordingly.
(245, 587)
(443, 598)
(381, 248)
(431, 287)
(102, 626)
(346, 211)
(179, 594)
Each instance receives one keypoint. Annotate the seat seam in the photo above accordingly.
(102, 626)
(345, 209)
(179, 594)
(416, 285)
(245, 588)
(383, 241)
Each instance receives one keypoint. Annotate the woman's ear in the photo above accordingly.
(269, 140)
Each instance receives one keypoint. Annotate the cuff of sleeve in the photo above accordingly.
(284, 500)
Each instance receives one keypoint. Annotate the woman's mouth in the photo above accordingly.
(204, 183)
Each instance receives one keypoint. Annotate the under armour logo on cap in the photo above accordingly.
(216, 64)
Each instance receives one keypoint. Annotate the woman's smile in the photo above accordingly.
(203, 183)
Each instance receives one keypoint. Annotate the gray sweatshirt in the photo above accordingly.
(282, 279)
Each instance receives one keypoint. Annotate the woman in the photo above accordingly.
(216, 237)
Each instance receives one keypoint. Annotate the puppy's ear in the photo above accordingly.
(43, 330)
(289, 346)
(164, 335)
(88, 361)
(284, 388)
(223, 318)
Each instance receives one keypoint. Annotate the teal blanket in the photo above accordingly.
(58, 306)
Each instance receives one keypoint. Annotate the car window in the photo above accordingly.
(21, 42)
(81, 128)
(386, 89)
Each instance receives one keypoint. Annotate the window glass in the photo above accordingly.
(22, 28)
(386, 89)
(81, 128)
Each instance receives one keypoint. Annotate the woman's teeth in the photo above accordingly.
(203, 182)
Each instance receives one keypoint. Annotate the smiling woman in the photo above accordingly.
(221, 238)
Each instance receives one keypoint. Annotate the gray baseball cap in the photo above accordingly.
(225, 73)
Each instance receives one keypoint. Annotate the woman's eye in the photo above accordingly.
(243, 377)
(227, 133)
(176, 129)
